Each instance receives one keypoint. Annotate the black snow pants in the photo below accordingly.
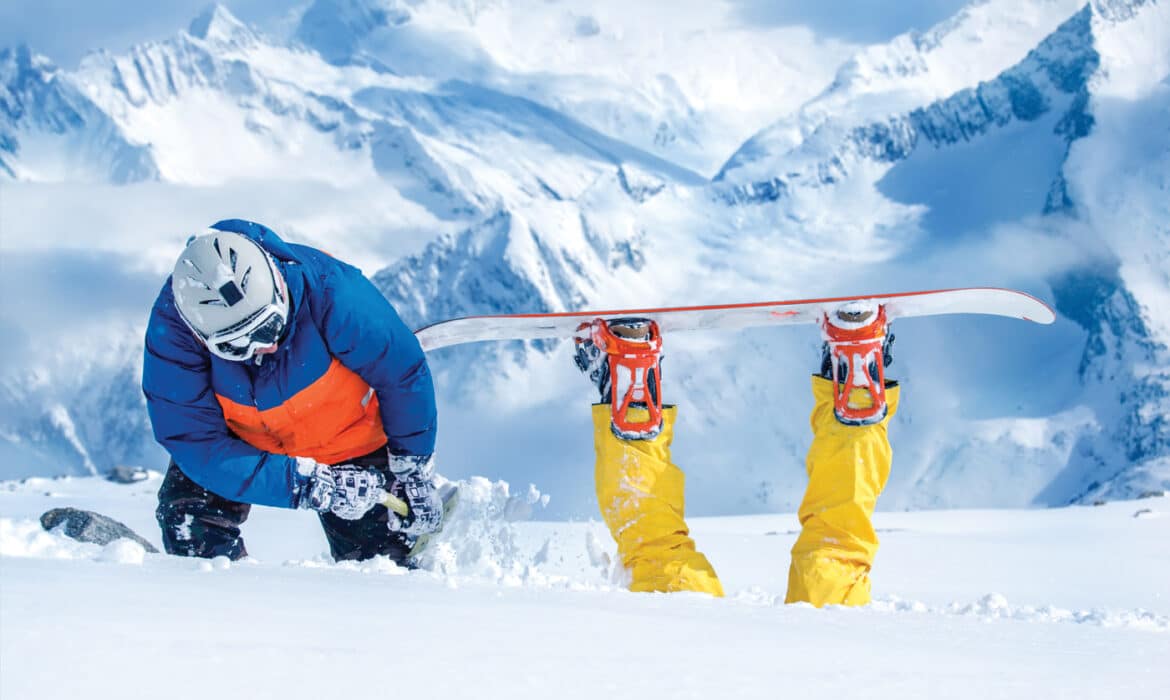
(198, 523)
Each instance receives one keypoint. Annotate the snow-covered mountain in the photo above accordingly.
(51, 130)
(524, 156)
(991, 156)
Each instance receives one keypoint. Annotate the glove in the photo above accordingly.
(414, 478)
(347, 491)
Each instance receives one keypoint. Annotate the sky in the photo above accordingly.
(852, 21)
(65, 30)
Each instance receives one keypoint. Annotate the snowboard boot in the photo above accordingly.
(630, 350)
(857, 349)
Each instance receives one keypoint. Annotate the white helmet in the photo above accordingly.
(230, 293)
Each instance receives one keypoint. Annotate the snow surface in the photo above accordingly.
(1071, 602)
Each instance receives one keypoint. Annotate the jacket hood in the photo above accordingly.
(265, 237)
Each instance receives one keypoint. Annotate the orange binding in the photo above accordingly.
(634, 346)
(855, 344)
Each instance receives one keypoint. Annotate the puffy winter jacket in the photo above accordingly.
(348, 377)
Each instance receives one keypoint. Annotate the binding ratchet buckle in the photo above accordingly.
(633, 346)
(855, 341)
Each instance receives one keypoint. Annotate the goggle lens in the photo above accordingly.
(240, 348)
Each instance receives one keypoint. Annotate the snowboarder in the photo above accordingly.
(277, 375)
(640, 490)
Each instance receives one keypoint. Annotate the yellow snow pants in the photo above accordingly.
(640, 492)
(847, 469)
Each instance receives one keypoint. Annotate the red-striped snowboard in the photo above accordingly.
(972, 300)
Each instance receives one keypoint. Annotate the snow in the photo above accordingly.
(1071, 602)
(123, 551)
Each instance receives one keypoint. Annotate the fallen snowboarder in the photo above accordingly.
(640, 490)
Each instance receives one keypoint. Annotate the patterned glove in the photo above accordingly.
(414, 479)
(347, 491)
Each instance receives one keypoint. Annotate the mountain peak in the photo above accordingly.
(26, 60)
(20, 68)
(217, 24)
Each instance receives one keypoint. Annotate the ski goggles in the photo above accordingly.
(240, 342)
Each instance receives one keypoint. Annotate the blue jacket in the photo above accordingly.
(348, 377)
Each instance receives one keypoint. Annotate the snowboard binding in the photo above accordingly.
(628, 375)
(856, 354)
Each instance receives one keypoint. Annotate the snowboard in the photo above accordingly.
(96, 528)
(970, 300)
